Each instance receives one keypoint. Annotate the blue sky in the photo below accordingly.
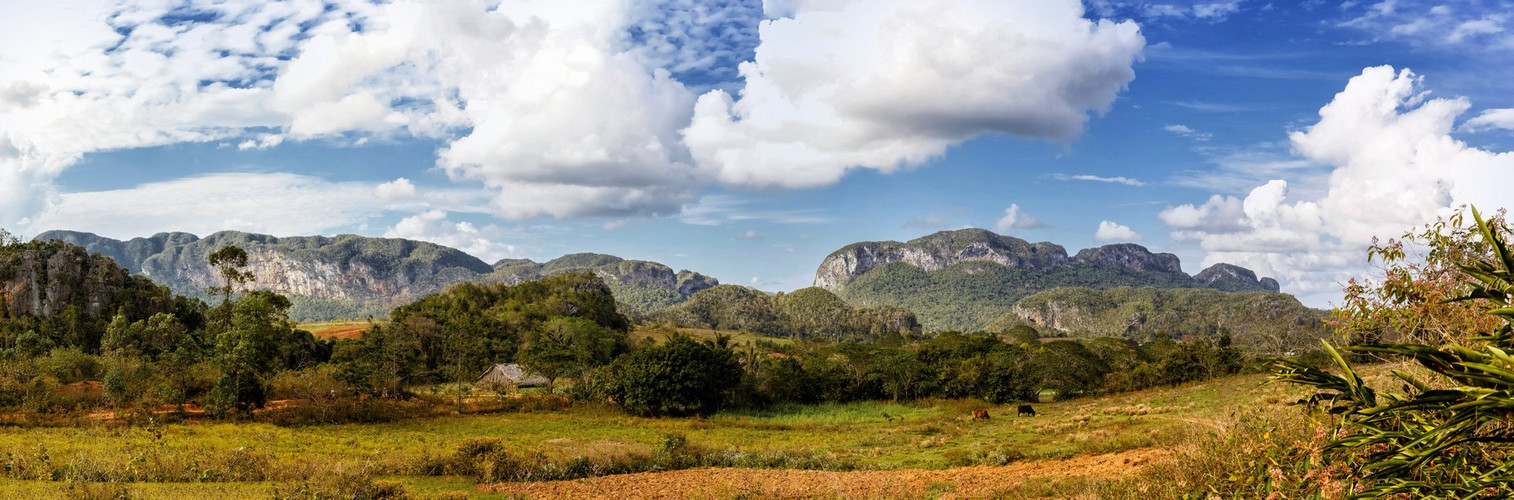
(748, 140)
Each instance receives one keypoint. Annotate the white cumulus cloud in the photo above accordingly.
(396, 190)
(1394, 165)
(1013, 219)
(551, 106)
(885, 84)
(1110, 231)
(434, 226)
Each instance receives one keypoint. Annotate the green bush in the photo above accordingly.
(679, 378)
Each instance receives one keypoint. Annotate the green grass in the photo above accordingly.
(928, 434)
(661, 334)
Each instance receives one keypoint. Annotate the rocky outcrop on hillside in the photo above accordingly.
(348, 267)
(44, 279)
(1232, 278)
(938, 251)
(965, 279)
(1131, 256)
(352, 276)
(947, 248)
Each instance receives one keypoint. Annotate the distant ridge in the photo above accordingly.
(966, 278)
(351, 276)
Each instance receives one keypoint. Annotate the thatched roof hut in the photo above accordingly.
(510, 374)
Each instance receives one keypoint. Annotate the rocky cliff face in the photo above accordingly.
(345, 267)
(1233, 278)
(349, 272)
(935, 252)
(639, 285)
(1131, 256)
(947, 248)
(44, 279)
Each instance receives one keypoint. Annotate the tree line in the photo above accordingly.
(231, 356)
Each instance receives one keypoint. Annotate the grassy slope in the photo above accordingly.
(970, 295)
(931, 434)
(661, 334)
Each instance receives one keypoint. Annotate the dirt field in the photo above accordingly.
(341, 331)
(961, 482)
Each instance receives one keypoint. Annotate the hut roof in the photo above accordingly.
(511, 373)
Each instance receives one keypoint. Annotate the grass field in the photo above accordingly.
(190, 460)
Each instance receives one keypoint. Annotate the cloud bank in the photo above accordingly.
(560, 109)
(1394, 166)
(828, 92)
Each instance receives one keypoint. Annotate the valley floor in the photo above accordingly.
(926, 449)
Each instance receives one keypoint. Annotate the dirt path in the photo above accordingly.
(961, 482)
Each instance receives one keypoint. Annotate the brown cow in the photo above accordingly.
(980, 414)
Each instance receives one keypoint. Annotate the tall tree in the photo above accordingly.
(229, 262)
(248, 350)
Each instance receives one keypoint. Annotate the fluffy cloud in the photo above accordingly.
(828, 92)
(434, 226)
(559, 109)
(1013, 219)
(528, 97)
(87, 76)
(750, 235)
(396, 190)
(559, 120)
(1394, 166)
(1220, 214)
(1492, 119)
(1110, 231)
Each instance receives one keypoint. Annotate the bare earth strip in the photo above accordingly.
(961, 482)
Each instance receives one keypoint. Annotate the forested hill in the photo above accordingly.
(355, 276)
(1259, 322)
(967, 278)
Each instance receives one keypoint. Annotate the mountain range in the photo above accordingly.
(967, 278)
(350, 276)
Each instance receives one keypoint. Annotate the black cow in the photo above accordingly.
(1026, 411)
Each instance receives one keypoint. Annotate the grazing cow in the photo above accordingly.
(980, 414)
(1026, 411)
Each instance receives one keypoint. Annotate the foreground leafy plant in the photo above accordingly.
(1446, 436)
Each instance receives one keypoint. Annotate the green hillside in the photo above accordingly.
(808, 313)
(967, 296)
(1257, 321)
